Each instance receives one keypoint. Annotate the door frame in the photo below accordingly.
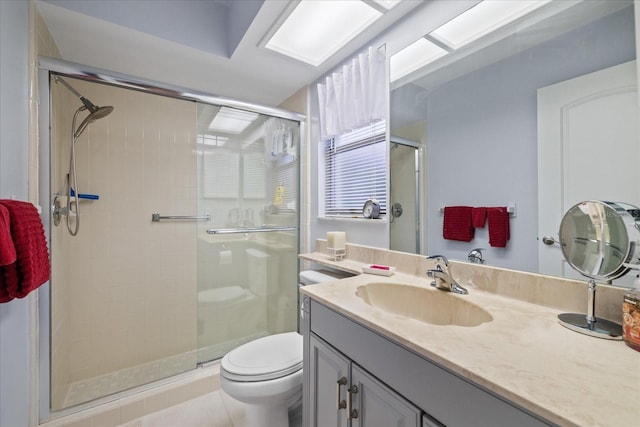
(418, 199)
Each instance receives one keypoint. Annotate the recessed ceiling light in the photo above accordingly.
(315, 30)
(482, 19)
(414, 56)
(230, 120)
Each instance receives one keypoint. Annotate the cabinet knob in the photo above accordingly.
(340, 404)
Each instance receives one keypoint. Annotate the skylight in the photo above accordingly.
(230, 120)
(413, 57)
(315, 30)
(482, 19)
(387, 4)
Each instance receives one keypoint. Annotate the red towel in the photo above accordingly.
(31, 268)
(7, 250)
(457, 223)
(479, 217)
(498, 219)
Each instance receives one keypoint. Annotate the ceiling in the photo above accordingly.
(211, 46)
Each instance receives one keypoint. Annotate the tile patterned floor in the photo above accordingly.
(215, 409)
(113, 382)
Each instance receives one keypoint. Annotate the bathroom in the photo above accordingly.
(19, 181)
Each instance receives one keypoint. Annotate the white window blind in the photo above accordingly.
(355, 170)
(254, 171)
(221, 170)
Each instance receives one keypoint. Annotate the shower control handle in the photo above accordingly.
(340, 404)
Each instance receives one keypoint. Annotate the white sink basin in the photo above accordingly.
(426, 305)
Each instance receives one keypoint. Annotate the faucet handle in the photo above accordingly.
(475, 256)
(439, 258)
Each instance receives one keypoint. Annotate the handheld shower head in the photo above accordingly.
(95, 113)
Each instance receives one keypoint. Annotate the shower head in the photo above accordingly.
(95, 113)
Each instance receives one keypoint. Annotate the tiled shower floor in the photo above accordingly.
(104, 385)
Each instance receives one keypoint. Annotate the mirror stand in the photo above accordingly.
(589, 324)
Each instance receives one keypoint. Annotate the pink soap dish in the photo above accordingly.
(380, 270)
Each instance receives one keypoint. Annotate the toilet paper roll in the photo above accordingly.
(226, 257)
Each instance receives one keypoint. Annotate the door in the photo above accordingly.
(375, 405)
(329, 379)
(247, 182)
(588, 138)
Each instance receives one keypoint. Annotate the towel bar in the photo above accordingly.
(249, 230)
(157, 217)
(510, 208)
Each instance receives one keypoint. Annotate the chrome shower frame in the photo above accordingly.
(40, 323)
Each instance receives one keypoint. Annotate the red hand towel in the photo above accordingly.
(498, 219)
(479, 217)
(31, 268)
(7, 250)
(457, 223)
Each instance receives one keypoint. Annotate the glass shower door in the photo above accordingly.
(123, 290)
(144, 291)
(247, 253)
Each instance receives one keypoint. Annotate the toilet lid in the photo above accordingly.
(266, 358)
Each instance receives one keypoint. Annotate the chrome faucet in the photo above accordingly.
(475, 256)
(442, 279)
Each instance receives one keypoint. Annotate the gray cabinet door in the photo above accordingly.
(376, 405)
(327, 368)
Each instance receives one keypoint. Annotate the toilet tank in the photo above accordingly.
(262, 272)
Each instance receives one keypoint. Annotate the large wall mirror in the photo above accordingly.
(480, 106)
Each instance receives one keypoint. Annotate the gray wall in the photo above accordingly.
(14, 113)
(482, 138)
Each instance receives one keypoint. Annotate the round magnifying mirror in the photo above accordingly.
(600, 240)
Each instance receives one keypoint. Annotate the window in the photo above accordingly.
(355, 170)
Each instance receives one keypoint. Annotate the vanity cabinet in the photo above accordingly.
(394, 384)
(345, 395)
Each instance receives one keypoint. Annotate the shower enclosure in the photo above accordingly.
(188, 245)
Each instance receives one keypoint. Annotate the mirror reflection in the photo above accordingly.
(479, 110)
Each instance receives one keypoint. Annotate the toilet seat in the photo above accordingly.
(267, 358)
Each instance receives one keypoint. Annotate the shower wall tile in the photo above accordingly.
(130, 286)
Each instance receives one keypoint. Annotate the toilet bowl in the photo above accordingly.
(266, 374)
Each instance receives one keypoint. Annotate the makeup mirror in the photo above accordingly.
(600, 240)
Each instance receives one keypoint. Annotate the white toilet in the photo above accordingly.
(266, 373)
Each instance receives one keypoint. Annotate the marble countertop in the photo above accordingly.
(523, 354)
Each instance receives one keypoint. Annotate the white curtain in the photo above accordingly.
(354, 96)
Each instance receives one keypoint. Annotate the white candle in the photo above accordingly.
(336, 239)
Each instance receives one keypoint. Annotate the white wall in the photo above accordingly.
(14, 106)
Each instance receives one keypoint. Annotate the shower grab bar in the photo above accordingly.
(157, 217)
(249, 230)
